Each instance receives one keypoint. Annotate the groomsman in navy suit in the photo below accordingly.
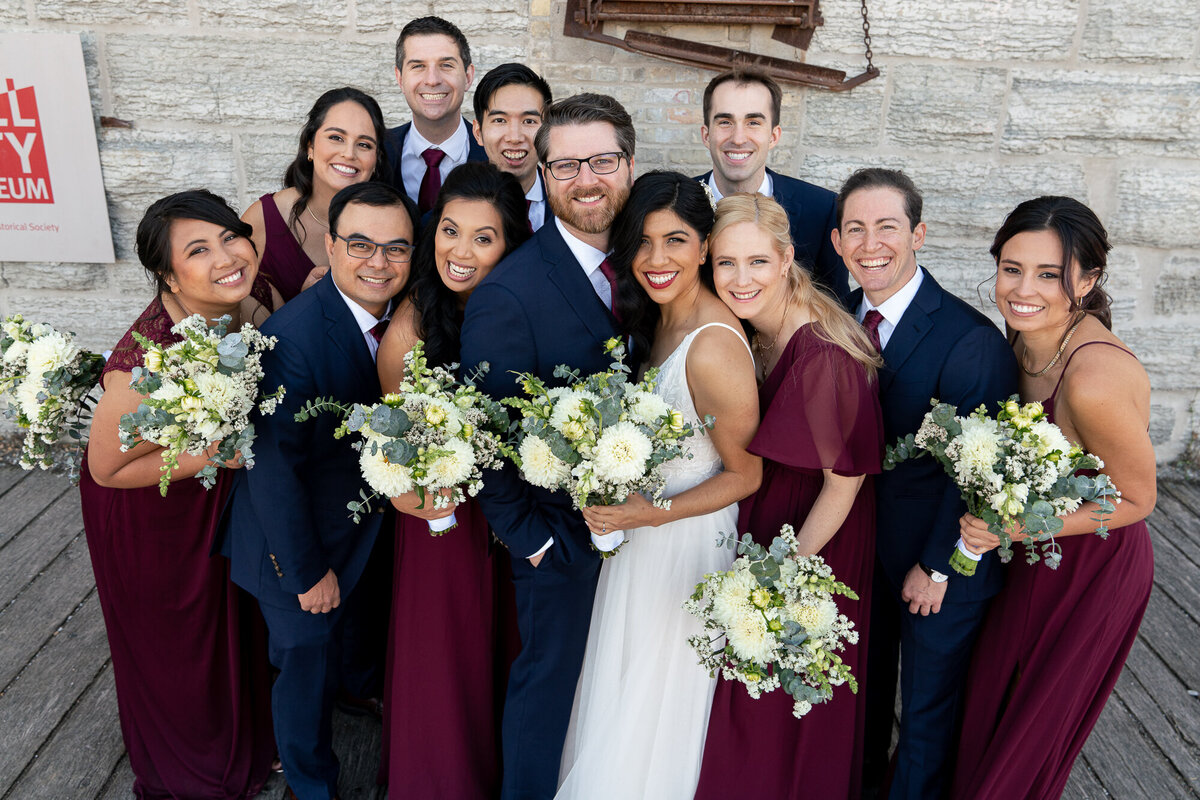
(509, 104)
(741, 127)
(550, 303)
(287, 533)
(934, 346)
(434, 69)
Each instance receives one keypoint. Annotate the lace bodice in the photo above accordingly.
(684, 473)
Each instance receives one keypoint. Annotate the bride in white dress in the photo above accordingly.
(641, 706)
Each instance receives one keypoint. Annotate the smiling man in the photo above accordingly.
(741, 128)
(922, 613)
(550, 303)
(434, 69)
(509, 103)
(286, 531)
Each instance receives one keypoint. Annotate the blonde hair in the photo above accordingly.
(831, 322)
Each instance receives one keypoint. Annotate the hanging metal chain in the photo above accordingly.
(867, 39)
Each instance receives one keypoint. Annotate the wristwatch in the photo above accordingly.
(934, 575)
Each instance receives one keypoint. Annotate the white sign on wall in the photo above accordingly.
(51, 192)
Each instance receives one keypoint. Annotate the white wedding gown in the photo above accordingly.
(641, 706)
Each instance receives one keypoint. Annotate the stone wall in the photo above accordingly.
(984, 103)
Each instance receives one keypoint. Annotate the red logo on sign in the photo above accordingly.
(24, 175)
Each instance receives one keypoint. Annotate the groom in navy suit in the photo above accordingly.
(934, 346)
(550, 303)
(287, 533)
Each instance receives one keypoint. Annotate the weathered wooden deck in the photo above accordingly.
(60, 739)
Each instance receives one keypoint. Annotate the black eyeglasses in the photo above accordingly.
(563, 169)
(365, 248)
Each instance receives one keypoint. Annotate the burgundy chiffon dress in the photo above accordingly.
(1048, 657)
(283, 260)
(188, 647)
(452, 638)
(819, 411)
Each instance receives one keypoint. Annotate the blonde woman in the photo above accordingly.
(820, 437)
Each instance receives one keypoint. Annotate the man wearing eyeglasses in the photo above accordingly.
(290, 541)
(549, 303)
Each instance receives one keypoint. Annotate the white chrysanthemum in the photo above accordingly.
(1065, 505)
(26, 396)
(52, 351)
(750, 639)
(568, 406)
(647, 407)
(443, 414)
(15, 351)
(731, 598)
(816, 617)
(383, 476)
(455, 468)
(540, 466)
(1050, 438)
(169, 392)
(621, 453)
(207, 429)
(219, 392)
(978, 447)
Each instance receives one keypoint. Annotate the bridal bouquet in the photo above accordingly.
(781, 626)
(1015, 470)
(199, 391)
(599, 438)
(433, 434)
(46, 379)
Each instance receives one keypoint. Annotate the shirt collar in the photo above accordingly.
(588, 257)
(363, 318)
(535, 193)
(894, 307)
(766, 190)
(455, 147)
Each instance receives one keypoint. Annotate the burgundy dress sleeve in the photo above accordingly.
(819, 410)
(283, 259)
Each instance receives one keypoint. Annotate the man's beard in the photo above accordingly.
(597, 219)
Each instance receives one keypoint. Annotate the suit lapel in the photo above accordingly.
(914, 326)
(565, 272)
(343, 332)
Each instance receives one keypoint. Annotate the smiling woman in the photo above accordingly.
(340, 145)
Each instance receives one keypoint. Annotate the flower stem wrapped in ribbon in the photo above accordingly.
(198, 391)
(1016, 470)
(432, 435)
(46, 379)
(599, 438)
(780, 624)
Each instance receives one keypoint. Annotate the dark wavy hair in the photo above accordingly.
(439, 318)
(153, 239)
(299, 173)
(655, 191)
(1084, 241)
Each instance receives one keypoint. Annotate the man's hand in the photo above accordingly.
(922, 594)
(322, 598)
(535, 560)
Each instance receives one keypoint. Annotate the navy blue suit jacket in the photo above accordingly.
(536, 310)
(945, 349)
(286, 524)
(812, 216)
(393, 143)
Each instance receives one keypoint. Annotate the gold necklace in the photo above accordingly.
(314, 216)
(765, 351)
(1061, 349)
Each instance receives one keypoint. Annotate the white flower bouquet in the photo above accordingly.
(199, 391)
(781, 626)
(46, 379)
(598, 438)
(1017, 469)
(434, 434)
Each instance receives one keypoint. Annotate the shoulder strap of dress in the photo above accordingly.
(1067, 365)
(730, 328)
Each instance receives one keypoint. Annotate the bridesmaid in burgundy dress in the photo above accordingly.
(453, 632)
(821, 436)
(340, 144)
(188, 647)
(1054, 641)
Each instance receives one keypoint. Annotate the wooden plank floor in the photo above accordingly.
(60, 738)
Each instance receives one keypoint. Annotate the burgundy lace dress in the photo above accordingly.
(818, 412)
(284, 261)
(188, 647)
(1048, 657)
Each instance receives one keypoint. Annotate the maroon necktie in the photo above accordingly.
(871, 324)
(431, 184)
(378, 330)
(611, 276)
(528, 221)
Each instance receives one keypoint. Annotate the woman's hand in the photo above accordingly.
(236, 462)
(979, 539)
(407, 504)
(635, 512)
(315, 274)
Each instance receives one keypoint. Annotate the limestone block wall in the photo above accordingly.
(984, 103)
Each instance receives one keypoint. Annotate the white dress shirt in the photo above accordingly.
(766, 190)
(412, 166)
(366, 321)
(893, 308)
(537, 204)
